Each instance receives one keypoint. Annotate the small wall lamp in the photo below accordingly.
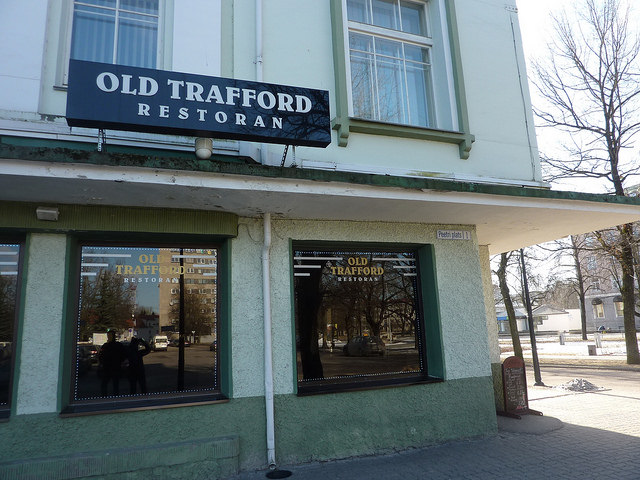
(50, 214)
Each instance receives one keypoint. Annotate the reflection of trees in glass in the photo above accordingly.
(196, 316)
(7, 307)
(105, 302)
(385, 304)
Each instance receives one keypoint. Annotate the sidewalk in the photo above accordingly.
(582, 435)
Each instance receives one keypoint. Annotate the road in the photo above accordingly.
(616, 407)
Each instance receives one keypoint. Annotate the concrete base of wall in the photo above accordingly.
(202, 459)
(498, 393)
(332, 426)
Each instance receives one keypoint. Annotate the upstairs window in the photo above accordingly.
(124, 32)
(390, 59)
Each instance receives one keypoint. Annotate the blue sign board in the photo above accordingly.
(118, 97)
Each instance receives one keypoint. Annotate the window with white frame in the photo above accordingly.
(125, 32)
(398, 71)
(598, 308)
(116, 31)
(619, 306)
(390, 58)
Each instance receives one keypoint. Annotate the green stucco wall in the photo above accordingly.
(340, 425)
(307, 428)
(30, 440)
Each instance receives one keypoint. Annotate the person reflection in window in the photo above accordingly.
(111, 356)
(136, 365)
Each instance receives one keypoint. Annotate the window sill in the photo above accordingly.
(118, 406)
(346, 126)
(323, 387)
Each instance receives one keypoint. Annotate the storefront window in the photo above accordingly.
(147, 323)
(9, 273)
(358, 318)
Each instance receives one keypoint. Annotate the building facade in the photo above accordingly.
(329, 299)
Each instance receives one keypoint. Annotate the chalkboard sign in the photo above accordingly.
(514, 382)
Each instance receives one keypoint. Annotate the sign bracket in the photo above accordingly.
(284, 156)
(102, 140)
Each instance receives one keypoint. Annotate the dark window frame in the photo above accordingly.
(426, 291)
(5, 409)
(73, 407)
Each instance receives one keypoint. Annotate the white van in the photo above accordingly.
(160, 342)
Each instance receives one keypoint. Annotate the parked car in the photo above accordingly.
(176, 343)
(362, 346)
(89, 351)
(159, 342)
(87, 356)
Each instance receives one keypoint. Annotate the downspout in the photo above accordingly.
(268, 365)
(261, 155)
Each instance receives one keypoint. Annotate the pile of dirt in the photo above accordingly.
(579, 385)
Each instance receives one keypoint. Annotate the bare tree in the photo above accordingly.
(590, 87)
(501, 273)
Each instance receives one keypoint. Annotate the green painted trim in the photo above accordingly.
(458, 79)
(407, 131)
(431, 312)
(226, 39)
(19, 335)
(341, 122)
(101, 218)
(68, 334)
(239, 167)
(292, 301)
(344, 125)
(224, 321)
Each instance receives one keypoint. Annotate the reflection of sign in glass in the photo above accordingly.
(356, 316)
(158, 301)
(121, 97)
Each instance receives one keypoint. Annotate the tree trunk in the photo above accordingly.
(628, 295)
(580, 280)
(508, 305)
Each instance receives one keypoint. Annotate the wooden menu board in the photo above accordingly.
(514, 383)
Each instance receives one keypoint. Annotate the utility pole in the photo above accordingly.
(534, 348)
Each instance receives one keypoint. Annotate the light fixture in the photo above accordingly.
(204, 148)
(47, 213)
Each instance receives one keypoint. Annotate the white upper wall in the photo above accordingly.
(298, 50)
(22, 29)
(196, 37)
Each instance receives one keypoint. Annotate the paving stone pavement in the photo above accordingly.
(593, 435)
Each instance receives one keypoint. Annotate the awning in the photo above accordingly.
(505, 217)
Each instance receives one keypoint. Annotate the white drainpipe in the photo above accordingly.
(261, 152)
(268, 365)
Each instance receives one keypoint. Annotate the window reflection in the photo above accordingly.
(9, 263)
(147, 322)
(356, 316)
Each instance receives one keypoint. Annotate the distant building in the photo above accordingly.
(602, 274)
